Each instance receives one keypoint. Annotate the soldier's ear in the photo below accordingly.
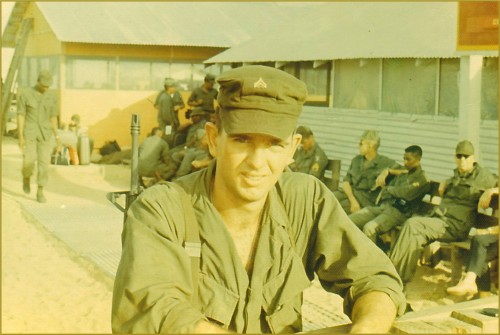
(296, 139)
(212, 138)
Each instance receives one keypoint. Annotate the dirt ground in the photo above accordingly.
(46, 289)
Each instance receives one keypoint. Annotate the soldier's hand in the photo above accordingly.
(22, 143)
(370, 229)
(355, 206)
(485, 199)
(380, 181)
(442, 188)
(199, 101)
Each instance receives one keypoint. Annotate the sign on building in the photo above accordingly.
(477, 25)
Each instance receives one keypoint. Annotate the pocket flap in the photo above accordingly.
(218, 303)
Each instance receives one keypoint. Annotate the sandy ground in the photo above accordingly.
(46, 289)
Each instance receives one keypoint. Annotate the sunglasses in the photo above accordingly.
(459, 156)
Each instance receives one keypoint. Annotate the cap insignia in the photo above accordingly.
(260, 84)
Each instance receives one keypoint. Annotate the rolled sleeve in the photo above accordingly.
(365, 269)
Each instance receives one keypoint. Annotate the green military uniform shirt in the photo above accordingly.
(362, 175)
(153, 152)
(303, 230)
(37, 109)
(312, 161)
(459, 204)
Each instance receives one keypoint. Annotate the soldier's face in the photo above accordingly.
(42, 88)
(365, 147)
(307, 143)
(411, 161)
(249, 165)
(465, 163)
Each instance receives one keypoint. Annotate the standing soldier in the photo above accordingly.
(359, 189)
(168, 103)
(205, 95)
(36, 119)
(309, 158)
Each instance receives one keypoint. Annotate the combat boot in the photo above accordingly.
(26, 185)
(39, 195)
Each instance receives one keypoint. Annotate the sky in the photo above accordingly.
(6, 52)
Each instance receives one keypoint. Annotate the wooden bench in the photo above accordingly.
(331, 177)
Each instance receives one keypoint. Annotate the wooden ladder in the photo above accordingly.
(14, 69)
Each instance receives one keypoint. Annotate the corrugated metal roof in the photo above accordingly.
(204, 24)
(348, 30)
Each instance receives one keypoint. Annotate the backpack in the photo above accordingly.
(109, 147)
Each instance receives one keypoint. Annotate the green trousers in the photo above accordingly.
(37, 152)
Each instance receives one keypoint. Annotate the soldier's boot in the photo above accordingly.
(26, 185)
(39, 195)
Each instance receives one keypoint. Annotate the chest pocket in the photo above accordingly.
(282, 296)
(217, 302)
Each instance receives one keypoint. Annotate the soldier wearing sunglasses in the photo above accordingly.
(452, 219)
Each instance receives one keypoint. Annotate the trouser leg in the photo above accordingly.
(29, 158)
(43, 157)
(361, 217)
(185, 166)
(484, 248)
(415, 233)
(343, 200)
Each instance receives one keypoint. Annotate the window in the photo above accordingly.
(159, 71)
(357, 84)
(88, 73)
(489, 91)
(31, 66)
(317, 80)
(135, 75)
(448, 87)
(409, 86)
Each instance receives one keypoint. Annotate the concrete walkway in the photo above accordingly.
(77, 211)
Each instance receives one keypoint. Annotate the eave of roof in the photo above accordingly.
(342, 30)
(200, 24)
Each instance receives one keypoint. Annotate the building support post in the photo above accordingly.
(469, 108)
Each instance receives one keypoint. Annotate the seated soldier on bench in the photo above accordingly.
(484, 248)
(396, 201)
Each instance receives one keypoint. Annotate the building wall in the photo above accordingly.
(108, 114)
(338, 132)
(42, 40)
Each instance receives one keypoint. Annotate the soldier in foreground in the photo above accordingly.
(264, 233)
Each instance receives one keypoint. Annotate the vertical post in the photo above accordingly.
(469, 110)
(135, 188)
(134, 164)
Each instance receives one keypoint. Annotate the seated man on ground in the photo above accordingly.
(359, 189)
(200, 153)
(309, 157)
(452, 219)
(152, 154)
(398, 200)
(484, 249)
